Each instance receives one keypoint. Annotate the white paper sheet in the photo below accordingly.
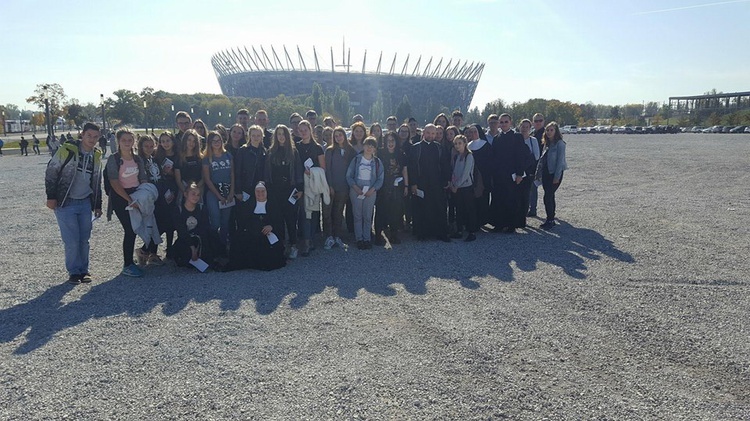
(229, 204)
(420, 193)
(245, 196)
(199, 264)
(272, 238)
(292, 198)
(308, 163)
(397, 180)
(364, 190)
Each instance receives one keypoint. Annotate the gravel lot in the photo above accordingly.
(636, 307)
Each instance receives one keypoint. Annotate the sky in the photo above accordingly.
(603, 52)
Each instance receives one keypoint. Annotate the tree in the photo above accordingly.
(52, 93)
(125, 107)
(73, 111)
(651, 108)
(473, 116)
(317, 98)
(377, 111)
(562, 112)
(90, 112)
(632, 113)
(342, 106)
(614, 112)
(403, 111)
(497, 106)
(37, 119)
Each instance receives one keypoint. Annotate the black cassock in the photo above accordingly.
(250, 249)
(429, 169)
(510, 156)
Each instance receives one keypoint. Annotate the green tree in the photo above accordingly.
(632, 113)
(342, 106)
(91, 112)
(126, 107)
(403, 111)
(473, 116)
(377, 111)
(497, 106)
(651, 108)
(317, 98)
(54, 94)
(73, 111)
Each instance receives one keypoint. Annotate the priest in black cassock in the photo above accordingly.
(429, 175)
(511, 157)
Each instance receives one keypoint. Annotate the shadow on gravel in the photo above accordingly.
(172, 290)
(569, 248)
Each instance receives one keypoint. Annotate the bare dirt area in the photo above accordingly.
(637, 306)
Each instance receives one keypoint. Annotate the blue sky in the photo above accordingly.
(599, 51)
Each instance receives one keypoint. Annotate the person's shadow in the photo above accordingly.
(349, 273)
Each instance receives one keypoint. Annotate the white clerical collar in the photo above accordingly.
(260, 208)
(477, 144)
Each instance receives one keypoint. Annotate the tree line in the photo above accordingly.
(156, 108)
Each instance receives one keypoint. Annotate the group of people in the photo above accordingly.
(251, 197)
(24, 145)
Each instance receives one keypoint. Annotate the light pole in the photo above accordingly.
(4, 133)
(173, 122)
(46, 111)
(145, 116)
(104, 119)
(20, 121)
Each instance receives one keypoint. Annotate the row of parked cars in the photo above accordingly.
(653, 129)
(621, 129)
(719, 129)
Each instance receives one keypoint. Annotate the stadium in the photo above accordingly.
(266, 73)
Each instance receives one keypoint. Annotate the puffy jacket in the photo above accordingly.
(62, 170)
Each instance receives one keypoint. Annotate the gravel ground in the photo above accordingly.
(635, 307)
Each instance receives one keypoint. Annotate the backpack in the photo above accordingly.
(107, 185)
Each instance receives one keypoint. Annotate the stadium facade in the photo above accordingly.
(257, 72)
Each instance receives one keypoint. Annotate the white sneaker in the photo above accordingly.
(329, 243)
(340, 243)
(293, 252)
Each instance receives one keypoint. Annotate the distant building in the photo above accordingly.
(258, 73)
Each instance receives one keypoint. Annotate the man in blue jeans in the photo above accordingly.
(73, 185)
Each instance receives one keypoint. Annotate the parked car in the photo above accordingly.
(697, 129)
(726, 129)
(629, 129)
(747, 129)
(717, 129)
(738, 129)
(568, 129)
(638, 130)
(707, 130)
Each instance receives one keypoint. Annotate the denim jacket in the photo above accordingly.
(556, 162)
(378, 173)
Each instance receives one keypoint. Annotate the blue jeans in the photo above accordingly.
(219, 218)
(363, 211)
(74, 220)
(305, 227)
(533, 198)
